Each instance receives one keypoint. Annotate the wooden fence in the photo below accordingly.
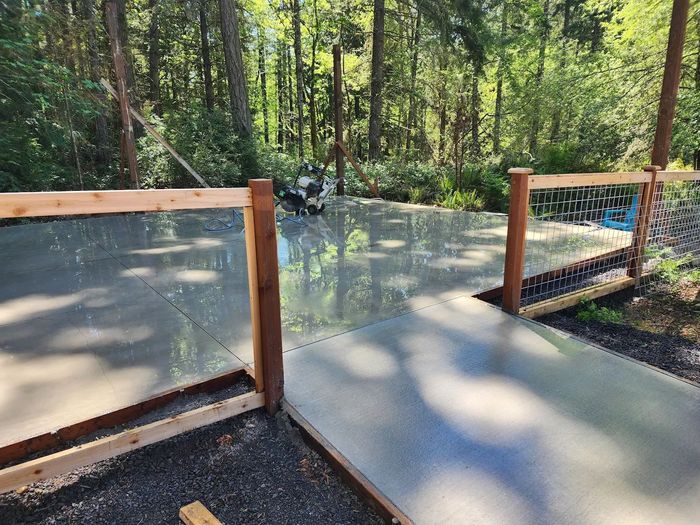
(587, 235)
(263, 285)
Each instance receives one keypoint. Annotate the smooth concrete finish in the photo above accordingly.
(460, 413)
(102, 312)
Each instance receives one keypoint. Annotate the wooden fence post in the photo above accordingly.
(515, 243)
(641, 228)
(270, 321)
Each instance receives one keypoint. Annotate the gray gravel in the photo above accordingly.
(248, 469)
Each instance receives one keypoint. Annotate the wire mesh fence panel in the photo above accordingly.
(673, 243)
(578, 237)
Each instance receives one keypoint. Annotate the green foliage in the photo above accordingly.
(671, 270)
(463, 200)
(590, 311)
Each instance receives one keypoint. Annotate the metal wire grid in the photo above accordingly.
(578, 237)
(674, 231)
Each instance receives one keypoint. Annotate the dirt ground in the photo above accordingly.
(661, 328)
(250, 469)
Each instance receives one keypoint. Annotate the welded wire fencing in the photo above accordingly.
(579, 235)
(673, 243)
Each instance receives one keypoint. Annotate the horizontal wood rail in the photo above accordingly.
(574, 298)
(112, 446)
(50, 440)
(538, 182)
(58, 203)
(677, 176)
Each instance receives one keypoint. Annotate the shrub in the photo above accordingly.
(589, 311)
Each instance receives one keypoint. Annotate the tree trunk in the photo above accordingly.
(279, 71)
(457, 134)
(411, 123)
(498, 113)
(671, 83)
(299, 66)
(262, 68)
(101, 137)
(237, 88)
(206, 58)
(313, 113)
(290, 100)
(443, 130)
(556, 117)
(474, 114)
(154, 56)
(697, 67)
(377, 82)
(539, 76)
(126, 50)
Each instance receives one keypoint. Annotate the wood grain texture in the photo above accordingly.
(673, 176)
(515, 241)
(268, 291)
(569, 180)
(56, 203)
(197, 514)
(254, 297)
(109, 447)
(572, 299)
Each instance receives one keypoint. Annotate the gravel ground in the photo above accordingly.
(659, 329)
(248, 469)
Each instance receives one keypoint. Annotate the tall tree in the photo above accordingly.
(206, 57)
(414, 71)
(154, 56)
(233, 54)
(539, 77)
(500, 72)
(262, 72)
(671, 83)
(101, 137)
(299, 69)
(377, 82)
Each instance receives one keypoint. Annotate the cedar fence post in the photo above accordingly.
(642, 223)
(515, 243)
(338, 113)
(270, 322)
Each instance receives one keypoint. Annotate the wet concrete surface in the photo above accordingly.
(102, 312)
(460, 413)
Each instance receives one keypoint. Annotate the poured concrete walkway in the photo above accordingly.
(103, 312)
(460, 413)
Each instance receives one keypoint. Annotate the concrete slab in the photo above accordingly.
(460, 413)
(154, 300)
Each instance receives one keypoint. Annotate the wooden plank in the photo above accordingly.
(251, 257)
(538, 182)
(674, 176)
(573, 298)
(515, 241)
(197, 514)
(109, 447)
(54, 203)
(123, 93)
(49, 440)
(268, 292)
(346, 470)
(157, 136)
(373, 186)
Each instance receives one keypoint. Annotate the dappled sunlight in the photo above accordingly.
(390, 243)
(104, 336)
(30, 306)
(176, 248)
(198, 276)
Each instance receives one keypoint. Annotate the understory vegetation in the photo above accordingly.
(439, 98)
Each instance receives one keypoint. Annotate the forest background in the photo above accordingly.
(441, 97)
